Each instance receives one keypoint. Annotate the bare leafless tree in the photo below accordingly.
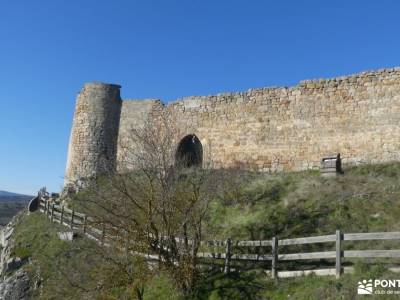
(157, 201)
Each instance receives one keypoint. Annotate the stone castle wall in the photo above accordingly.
(278, 129)
(94, 134)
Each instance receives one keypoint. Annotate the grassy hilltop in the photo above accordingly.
(259, 206)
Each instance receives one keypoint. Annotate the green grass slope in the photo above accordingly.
(257, 206)
(79, 269)
(364, 199)
(63, 270)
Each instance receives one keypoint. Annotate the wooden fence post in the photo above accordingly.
(126, 244)
(274, 263)
(48, 208)
(103, 234)
(52, 212)
(84, 224)
(72, 218)
(228, 251)
(62, 215)
(339, 253)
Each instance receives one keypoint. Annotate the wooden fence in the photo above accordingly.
(226, 253)
(72, 219)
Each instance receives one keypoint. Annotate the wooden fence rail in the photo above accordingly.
(79, 221)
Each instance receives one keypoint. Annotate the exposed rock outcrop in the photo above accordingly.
(14, 280)
(16, 286)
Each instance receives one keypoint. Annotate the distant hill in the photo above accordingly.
(5, 193)
(13, 197)
(11, 204)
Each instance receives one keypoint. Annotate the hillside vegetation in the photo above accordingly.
(252, 206)
(364, 199)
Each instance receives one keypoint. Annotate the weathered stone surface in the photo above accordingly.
(16, 286)
(5, 247)
(269, 129)
(14, 281)
(93, 142)
(67, 236)
(12, 264)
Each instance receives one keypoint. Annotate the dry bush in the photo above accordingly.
(157, 203)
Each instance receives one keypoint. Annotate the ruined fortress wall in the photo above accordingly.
(93, 141)
(134, 113)
(276, 129)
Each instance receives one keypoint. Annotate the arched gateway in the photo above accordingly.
(189, 152)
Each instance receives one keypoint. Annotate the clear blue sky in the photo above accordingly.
(165, 49)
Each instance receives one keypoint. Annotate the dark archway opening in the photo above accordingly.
(189, 152)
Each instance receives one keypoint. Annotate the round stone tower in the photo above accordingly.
(93, 142)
